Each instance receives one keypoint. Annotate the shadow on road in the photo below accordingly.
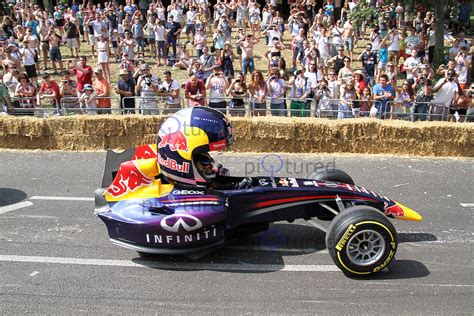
(416, 237)
(11, 196)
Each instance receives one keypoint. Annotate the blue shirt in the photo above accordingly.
(383, 55)
(381, 104)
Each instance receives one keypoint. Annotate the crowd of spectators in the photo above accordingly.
(214, 44)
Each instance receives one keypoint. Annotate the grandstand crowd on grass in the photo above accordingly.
(218, 48)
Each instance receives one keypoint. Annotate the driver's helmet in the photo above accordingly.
(185, 139)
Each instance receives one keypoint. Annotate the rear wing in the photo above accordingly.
(114, 159)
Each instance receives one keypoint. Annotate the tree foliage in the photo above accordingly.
(364, 13)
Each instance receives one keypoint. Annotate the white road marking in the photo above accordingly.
(16, 206)
(277, 249)
(172, 266)
(62, 198)
(34, 273)
(467, 204)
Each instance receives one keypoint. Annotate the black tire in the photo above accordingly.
(334, 175)
(346, 240)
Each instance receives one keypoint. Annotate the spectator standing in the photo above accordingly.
(103, 52)
(28, 58)
(102, 92)
(6, 105)
(195, 91)
(125, 88)
(238, 91)
(147, 88)
(247, 44)
(82, 71)
(87, 99)
(299, 93)
(169, 89)
(258, 91)
(369, 62)
(383, 93)
(68, 90)
(346, 100)
(54, 51)
(208, 62)
(173, 29)
(217, 85)
(447, 93)
(423, 94)
(71, 37)
(276, 91)
(26, 92)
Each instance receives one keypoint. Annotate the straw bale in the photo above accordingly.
(262, 134)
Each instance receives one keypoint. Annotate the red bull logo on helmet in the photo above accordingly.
(173, 164)
(175, 141)
(145, 152)
(128, 179)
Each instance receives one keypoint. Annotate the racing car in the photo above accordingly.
(168, 198)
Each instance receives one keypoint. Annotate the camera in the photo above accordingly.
(64, 81)
(422, 77)
(163, 90)
(237, 80)
(451, 78)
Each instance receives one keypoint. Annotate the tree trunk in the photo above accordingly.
(48, 6)
(439, 22)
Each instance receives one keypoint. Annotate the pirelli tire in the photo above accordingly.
(335, 175)
(361, 241)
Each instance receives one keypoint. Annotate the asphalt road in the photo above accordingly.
(55, 256)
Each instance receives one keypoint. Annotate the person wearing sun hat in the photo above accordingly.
(359, 81)
(87, 99)
(102, 89)
(125, 88)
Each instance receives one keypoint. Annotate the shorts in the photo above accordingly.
(382, 66)
(31, 71)
(150, 40)
(60, 22)
(81, 29)
(323, 61)
(348, 44)
(45, 46)
(55, 54)
(239, 50)
(460, 111)
(218, 105)
(190, 28)
(92, 40)
(72, 43)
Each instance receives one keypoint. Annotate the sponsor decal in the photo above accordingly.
(175, 141)
(173, 164)
(394, 210)
(284, 182)
(348, 233)
(174, 222)
(183, 192)
(207, 234)
(387, 261)
(293, 182)
(144, 152)
(129, 179)
(311, 183)
(218, 145)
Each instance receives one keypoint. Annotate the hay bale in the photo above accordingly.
(258, 134)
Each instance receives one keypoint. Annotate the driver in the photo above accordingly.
(205, 166)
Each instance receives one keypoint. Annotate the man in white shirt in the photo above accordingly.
(411, 64)
(447, 93)
(169, 88)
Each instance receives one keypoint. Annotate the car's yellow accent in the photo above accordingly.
(409, 214)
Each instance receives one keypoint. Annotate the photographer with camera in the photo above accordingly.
(423, 88)
(217, 84)
(447, 89)
(147, 87)
(169, 89)
(68, 89)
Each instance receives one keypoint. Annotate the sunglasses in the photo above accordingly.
(405, 83)
(347, 61)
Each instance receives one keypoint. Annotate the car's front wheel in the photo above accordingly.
(361, 241)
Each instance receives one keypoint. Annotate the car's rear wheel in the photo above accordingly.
(334, 175)
(361, 241)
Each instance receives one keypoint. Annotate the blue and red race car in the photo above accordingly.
(167, 198)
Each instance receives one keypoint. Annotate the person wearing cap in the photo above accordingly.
(125, 88)
(87, 99)
(147, 87)
(217, 85)
(102, 91)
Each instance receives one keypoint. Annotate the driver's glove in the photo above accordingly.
(245, 183)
